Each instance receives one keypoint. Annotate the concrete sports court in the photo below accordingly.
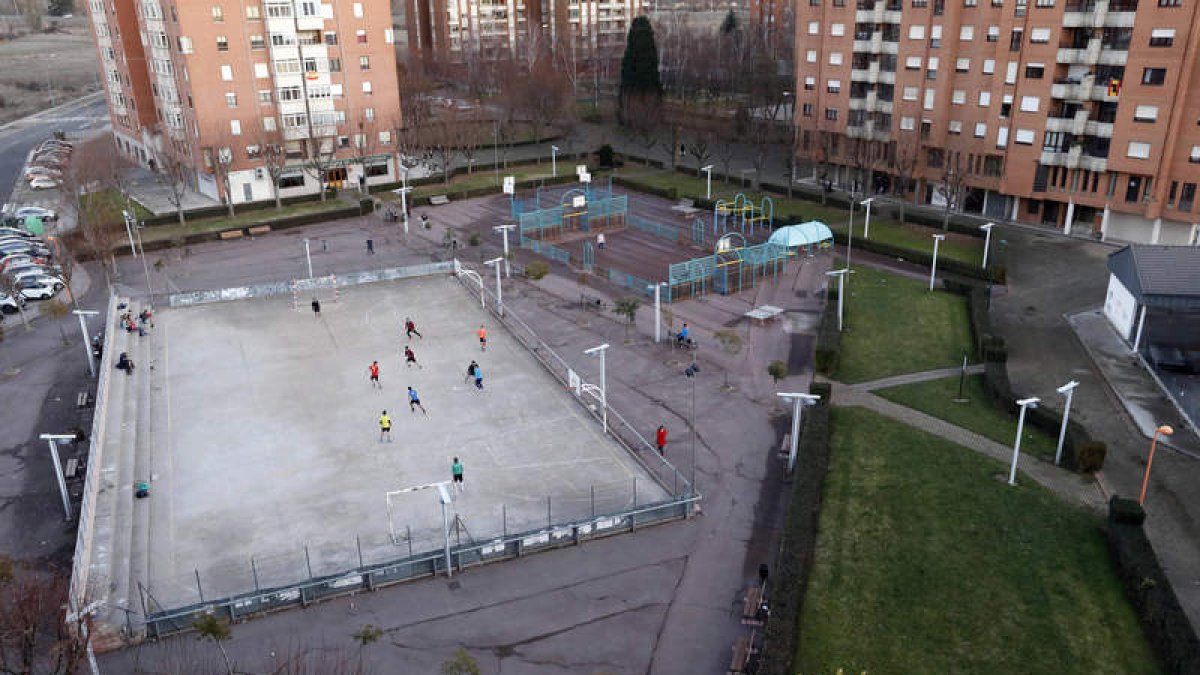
(265, 444)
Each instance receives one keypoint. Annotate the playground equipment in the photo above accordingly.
(809, 235)
(579, 214)
(741, 214)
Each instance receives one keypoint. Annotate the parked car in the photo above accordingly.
(9, 304)
(26, 264)
(32, 172)
(25, 247)
(44, 183)
(52, 155)
(35, 289)
(39, 211)
(39, 274)
(55, 143)
(15, 232)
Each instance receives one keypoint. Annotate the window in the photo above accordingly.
(835, 58)
(919, 4)
(1173, 193)
(966, 33)
(366, 87)
(231, 99)
(831, 114)
(958, 97)
(227, 73)
(1035, 71)
(1039, 36)
(1194, 156)
(837, 29)
(916, 32)
(358, 10)
(909, 94)
(330, 38)
(1001, 137)
(1025, 136)
(962, 65)
(360, 36)
(364, 62)
(935, 37)
(955, 126)
(970, 3)
(810, 83)
(985, 99)
(912, 63)
(814, 27)
(264, 96)
(929, 94)
(335, 65)
(908, 123)
(253, 12)
(993, 34)
(980, 129)
(1188, 197)
(218, 14)
(1030, 103)
(833, 86)
(1162, 37)
(807, 110)
(1138, 150)
(253, 151)
(261, 72)
(811, 56)
(1044, 3)
(1170, 3)
(235, 127)
(269, 124)
(257, 42)
(1014, 41)
(1010, 73)
(1133, 189)
(369, 114)
(385, 138)
(1145, 113)
(222, 44)
(1154, 76)
(308, 9)
(185, 45)
(989, 66)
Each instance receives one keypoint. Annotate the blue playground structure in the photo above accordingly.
(734, 264)
(742, 215)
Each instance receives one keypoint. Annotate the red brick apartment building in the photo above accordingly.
(1081, 115)
(196, 82)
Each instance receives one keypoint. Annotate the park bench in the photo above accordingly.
(751, 604)
(83, 400)
(686, 206)
(785, 448)
(591, 302)
(743, 648)
(763, 313)
(231, 234)
(260, 229)
(71, 467)
(439, 200)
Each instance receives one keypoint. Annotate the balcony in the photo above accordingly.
(880, 13)
(871, 104)
(869, 133)
(1100, 129)
(877, 45)
(873, 75)
(1087, 56)
(1068, 90)
(1087, 14)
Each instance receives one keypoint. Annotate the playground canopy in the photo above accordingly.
(801, 234)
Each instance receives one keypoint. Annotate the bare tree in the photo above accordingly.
(91, 182)
(439, 140)
(364, 145)
(470, 138)
(218, 160)
(273, 154)
(953, 187)
(644, 122)
(322, 156)
(175, 174)
(34, 636)
(547, 93)
(904, 160)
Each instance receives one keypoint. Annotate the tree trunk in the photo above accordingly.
(946, 218)
(275, 189)
(903, 201)
(182, 217)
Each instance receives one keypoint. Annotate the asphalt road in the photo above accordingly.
(19, 137)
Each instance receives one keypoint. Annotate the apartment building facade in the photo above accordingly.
(1081, 115)
(451, 32)
(216, 86)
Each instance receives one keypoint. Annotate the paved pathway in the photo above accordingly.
(1083, 490)
(912, 378)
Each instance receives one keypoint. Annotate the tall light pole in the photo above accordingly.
(850, 234)
(867, 223)
(657, 310)
(496, 147)
(1025, 404)
(87, 346)
(937, 239)
(798, 403)
(130, 222)
(1067, 390)
(495, 262)
(145, 265)
(444, 498)
(308, 257)
(603, 382)
(987, 241)
(503, 229)
(841, 277)
(53, 440)
(708, 181)
(691, 372)
(554, 160)
(1165, 430)
(404, 190)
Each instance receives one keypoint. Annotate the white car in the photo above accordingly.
(25, 266)
(9, 305)
(44, 183)
(39, 274)
(32, 172)
(35, 289)
(39, 211)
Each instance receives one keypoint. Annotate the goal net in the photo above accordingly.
(321, 289)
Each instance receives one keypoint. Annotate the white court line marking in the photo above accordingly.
(548, 465)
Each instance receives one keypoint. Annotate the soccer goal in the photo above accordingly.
(321, 289)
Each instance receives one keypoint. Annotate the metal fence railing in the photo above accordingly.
(549, 250)
(668, 232)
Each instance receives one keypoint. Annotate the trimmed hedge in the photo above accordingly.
(437, 179)
(788, 581)
(220, 209)
(829, 339)
(1166, 625)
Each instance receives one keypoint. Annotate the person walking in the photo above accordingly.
(600, 241)
(370, 247)
(385, 427)
(456, 472)
(410, 359)
(414, 401)
(482, 333)
(470, 370)
(410, 329)
(660, 439)
(373, 369)
(478, 375)
(316, 308)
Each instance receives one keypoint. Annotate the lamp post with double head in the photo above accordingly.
(599, 351)
(1067, 390)
(1025, 403)
(798, 402)
(495, 262)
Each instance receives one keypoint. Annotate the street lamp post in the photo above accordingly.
(691, 372)
(1165, 430)
(603, 382)
(987, 241)
(1025, 404)
(130, 222)
(53, 440)
(145, 265)
(657, 310)
(867, 222)
(554, 160)
(503, 229)
(87, 346)
(798, 403)
(937, 239)
(495, 262)
(841, 277)
(708, 181)
(1067, 390)
(308, 257)
(850, 233)
(404, 190)
(496, 148)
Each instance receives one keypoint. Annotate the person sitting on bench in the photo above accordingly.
(125, 363)
(683, 336)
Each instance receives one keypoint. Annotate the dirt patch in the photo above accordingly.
(45, 69)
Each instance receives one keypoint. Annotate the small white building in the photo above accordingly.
(1153, 302)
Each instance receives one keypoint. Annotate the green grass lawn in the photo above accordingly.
(894, 325)
(112, 201)
(936, 398)
(927, 563)
(481, 178)
(241, 219)
(957, 247)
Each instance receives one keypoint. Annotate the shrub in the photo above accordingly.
(473, 240)
(537, 269)
(604, 156)
(777, 370)
(1125, 511)
(1090, 457)
(829, 338)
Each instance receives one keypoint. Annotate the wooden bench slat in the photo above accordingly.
(231, 234)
